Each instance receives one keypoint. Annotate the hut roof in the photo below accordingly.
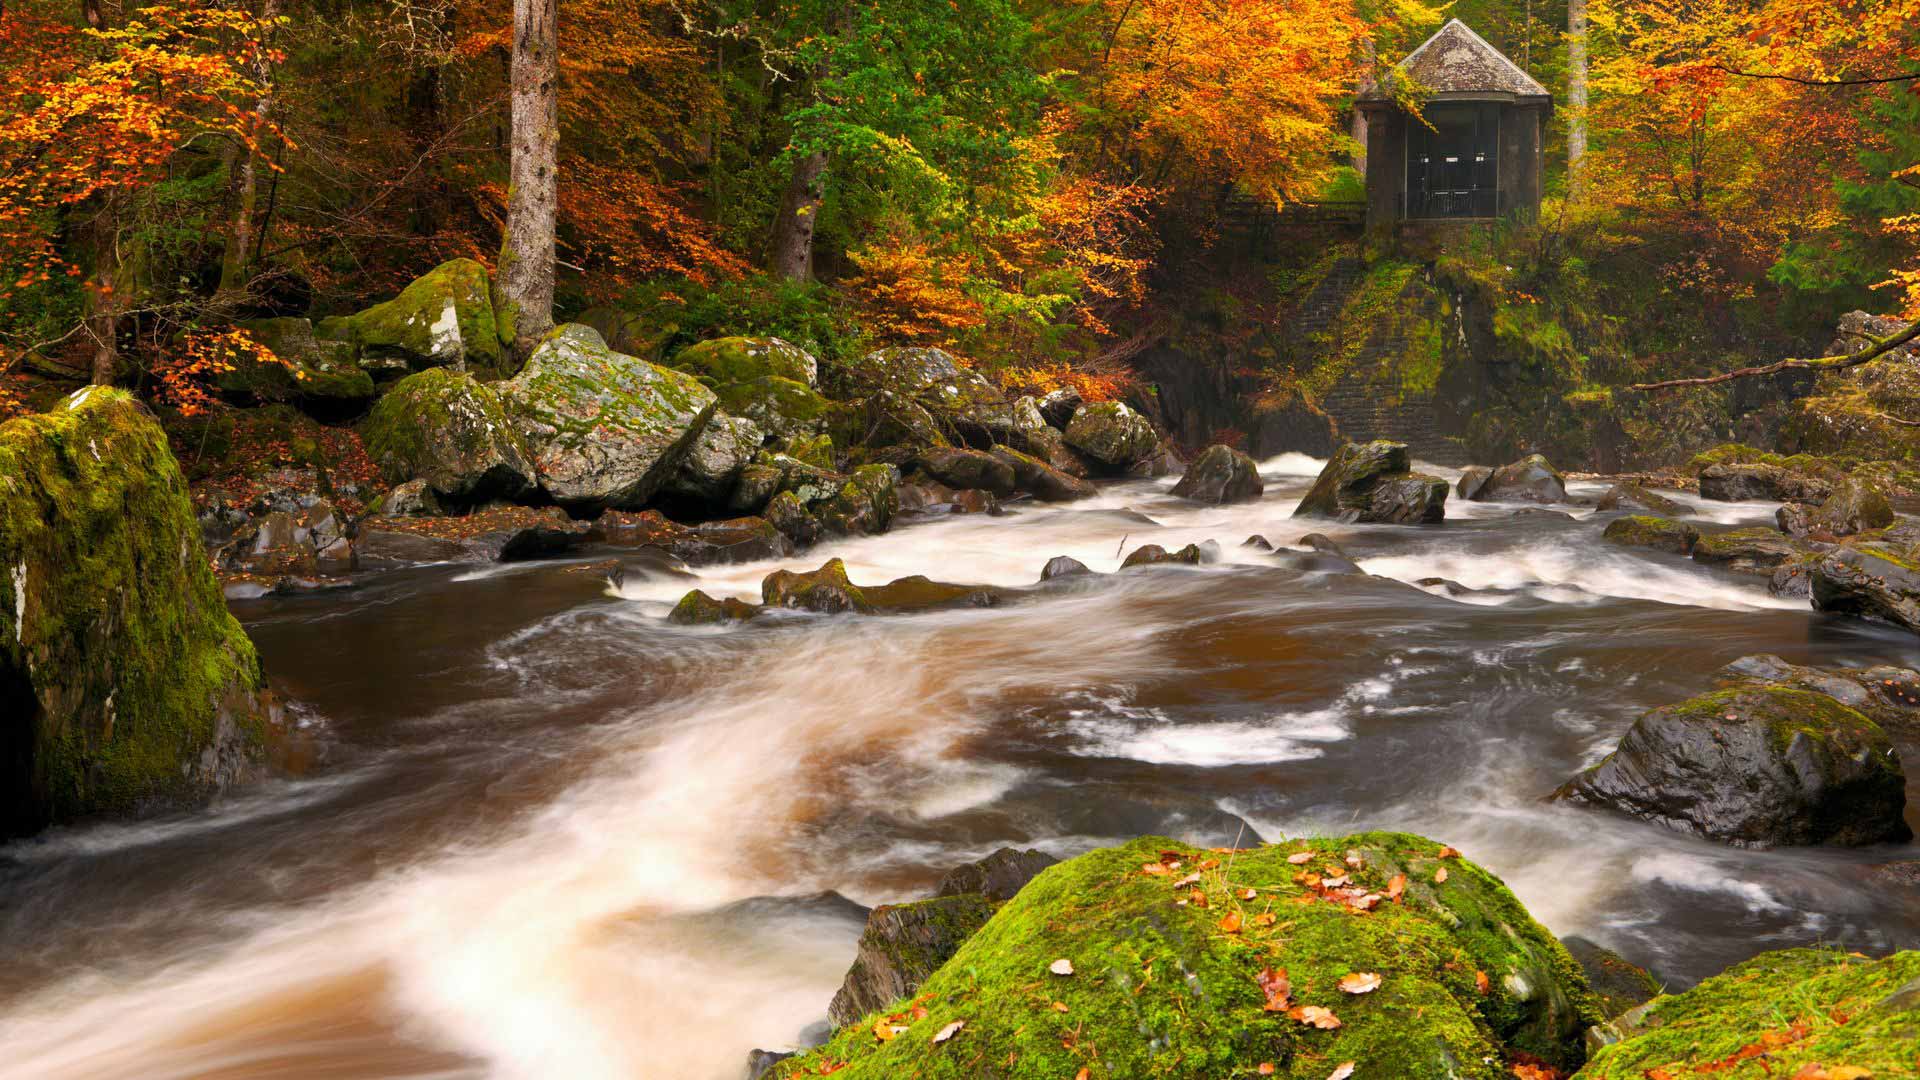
(1457, 61)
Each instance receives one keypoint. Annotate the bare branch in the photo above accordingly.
(1871, 80)
(1876, 348)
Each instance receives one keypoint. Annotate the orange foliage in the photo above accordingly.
(185, 378)
(905, 293)
(1042, 379)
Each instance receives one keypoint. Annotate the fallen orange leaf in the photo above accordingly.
(1155, 869)
(1315, 1015)
(1231, 924)
(1083, 1074)
(1299, 857)
(1274, 984)
(1266, 1068)
(1481, 982)
(1440, 875)
(1448, 852)
(1360, 982)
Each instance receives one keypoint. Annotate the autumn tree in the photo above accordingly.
(523, 281)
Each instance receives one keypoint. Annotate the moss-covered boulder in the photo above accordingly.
(1630, 494)
(606, 430)
(901, 947)
(313, 371)
(725, 361)
(781, 407)
(1619, 983)
(828, 590)
(124, 682)
(1373, 482)
(698, 609)
(885, 419)
(1888, 695)
(788, 514)
(1735, 473)
(1111, 434)
(452, 431)
(443, 317)
(1809, 1013)
(864, 506)
(1154, 959)
(1221, 474)
(1856, 506)
(1755, 766)
(1748, 551)
(1041, 480)
(1644, 530)
(1877, 580)
(959, 399)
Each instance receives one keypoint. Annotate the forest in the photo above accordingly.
(704, 539)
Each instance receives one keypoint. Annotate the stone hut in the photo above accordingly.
(1479, 154)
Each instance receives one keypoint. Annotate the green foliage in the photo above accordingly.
(808, 314)
(1842, 264)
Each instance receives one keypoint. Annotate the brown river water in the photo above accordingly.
(552, 836)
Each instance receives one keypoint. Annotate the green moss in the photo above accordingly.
(1367, 313)
(1161, 990)
(315, 369)
(1803, 1006)
(415, 326)
(725, 361)
(1647, 530)
(125, 679)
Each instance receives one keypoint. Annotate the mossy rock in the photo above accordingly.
(1112, 434)
(452, 431)
(1162, 988)
(730, 360)
(1803, 1007)
(1872, 580)
(865, 505)
(1645, 530)
(782, 407)
(606, 430)
(712, 465)
(315, 370)
(444, 316)
(698, 609)
(124, 682)
(1754, 551)
(1626, 494)
(1371, 482)
(1755, 766)
(828, 591)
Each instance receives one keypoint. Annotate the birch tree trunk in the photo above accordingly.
(523, 283)
(1576, 98)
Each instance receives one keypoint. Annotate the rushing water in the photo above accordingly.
(552, 836)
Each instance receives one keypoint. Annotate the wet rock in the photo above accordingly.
(735, 540)
(1734, 473)
(760, 1062)
(1854, 507)
(964, 469)
(713, 464)
(998, 876)
(1164, 461)
(124, 682)
(1540, 513)
(960, 400)
(1473, 479)
(1874, 580)
(1257, 543)
(975, 501)
(1221, 474)
(1371, 482)
(1111, 434)
(865, 504)
(1531, 479)
(444, 317)
(1041, 480)
(1155, 555)
(1793, 578)
(1755, 767)
(606, 431)
(828, 591)
(1445, 585)
(1889, 696)
(756, 485)
(1316, 562)
(1636, 496)
(1322, 543)
(787, 514)
(1620, 984)
(1058, 407)
(1749, 551)
(1661, 534)
(1061, 566)
(381, 548)
(889, 419)
(698, 609)
(451, 431)
(411, 499)
(902, 946)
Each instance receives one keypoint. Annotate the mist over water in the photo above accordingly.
(553, 836)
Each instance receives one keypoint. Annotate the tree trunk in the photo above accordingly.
(523, 283)
(105, 298)
(1576, 98)
(237, 258)
(791, 255)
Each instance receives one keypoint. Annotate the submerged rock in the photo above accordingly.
(1061, 566)
(606, 430)
(1858, 1012)
(1371, 482)
(1661, 534)
(1111, 434)
(452, 432)
(1755, 766)
(124, 682)
(1155, 555)
(698, 609)
(1466, 979)
(1221, 474)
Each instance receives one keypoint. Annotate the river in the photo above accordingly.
(549, 835)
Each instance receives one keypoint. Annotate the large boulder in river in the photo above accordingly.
(1111, 434)
(124, 682)
(960, 399)
(1221, 474)
(1795, 1014)
(713, 464)
(1645, 530)
(1755, 766)
(1041, 480)
(1877, 580)
(1735, 473)
(1372, 482)
(865, 504)
(1531, 479)
(451, 431)
(1631, 494)
(962, 468)
(1748, 551)
(444, 317)
(606, 430)
(1381, 948)
(1855, 506)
